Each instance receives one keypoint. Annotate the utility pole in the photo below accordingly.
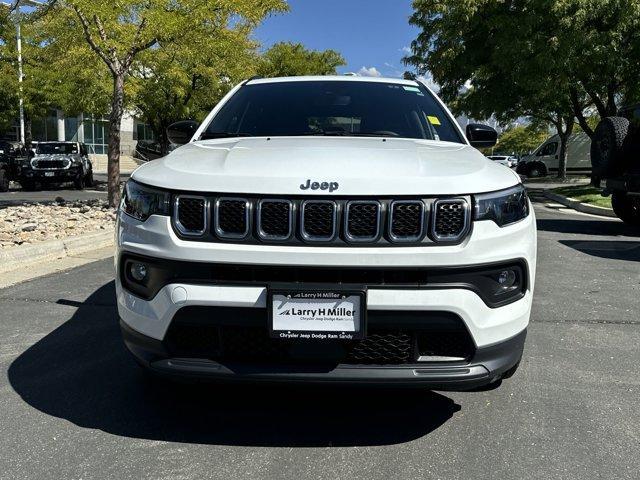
(16, 6)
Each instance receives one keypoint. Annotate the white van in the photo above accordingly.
(544, 159)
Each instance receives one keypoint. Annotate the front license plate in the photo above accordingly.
(49, 174)
(317, 314)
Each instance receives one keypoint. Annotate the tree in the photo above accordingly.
(521, 140)
(528, 57)
(293, 59)
(119, 32)
(185, 79)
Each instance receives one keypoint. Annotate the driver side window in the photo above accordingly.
(548, 149)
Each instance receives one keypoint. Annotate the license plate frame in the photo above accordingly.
(322, 297)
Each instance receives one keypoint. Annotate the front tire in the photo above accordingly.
(79, 183)
(89, 179)
(607, 152)
(537, 170)
(626, 208)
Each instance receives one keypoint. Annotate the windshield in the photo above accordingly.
(334, 108)
(56, 148)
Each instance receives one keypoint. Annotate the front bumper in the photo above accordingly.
(497, 333)
(62, 175)
(488, 365)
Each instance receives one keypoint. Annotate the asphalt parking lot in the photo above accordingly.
(74, 405)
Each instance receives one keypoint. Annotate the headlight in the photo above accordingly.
(503, 207)
(141, 202)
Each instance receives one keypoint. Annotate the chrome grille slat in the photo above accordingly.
(362, 220)
(318, 220)
(232, 217)
(406, 220)
(191, 214)
(451, 218)
(275, 219)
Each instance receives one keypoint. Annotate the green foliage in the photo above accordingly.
(551, 60)
(292, 59)
(521, 140)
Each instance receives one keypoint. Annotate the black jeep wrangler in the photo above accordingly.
(615, 157)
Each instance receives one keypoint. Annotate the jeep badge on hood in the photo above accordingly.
(331, 186)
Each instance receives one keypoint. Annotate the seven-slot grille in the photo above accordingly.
(51, 164)
(191, 214)
(298, 221)
(450, 219)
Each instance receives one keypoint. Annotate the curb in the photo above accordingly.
(580, 207)
(21, 256)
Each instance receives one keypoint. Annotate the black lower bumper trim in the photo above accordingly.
(487, 366)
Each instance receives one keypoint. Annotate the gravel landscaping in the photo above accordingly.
(36, 222)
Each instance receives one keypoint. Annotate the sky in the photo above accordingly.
(372, 35)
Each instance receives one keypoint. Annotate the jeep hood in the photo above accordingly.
(361, 166)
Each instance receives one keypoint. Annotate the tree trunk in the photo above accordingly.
(564, 134)
(115, 122)
(163, 139)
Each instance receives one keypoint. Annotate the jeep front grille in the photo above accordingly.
(339, 221)
(51, 164)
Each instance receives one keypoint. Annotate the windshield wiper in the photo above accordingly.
(212, 135)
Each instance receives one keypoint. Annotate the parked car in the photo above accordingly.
(615, 155)
(57, 162)
(545, 160)
(12, 154)
(356, 236)
(506, 160)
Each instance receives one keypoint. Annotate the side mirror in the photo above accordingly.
(181, 132)
(481, 136)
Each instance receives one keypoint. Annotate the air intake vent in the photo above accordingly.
(191, 215)
(275, 219)
(319, 220)
(407, 221)
(362, 221)
(451, 219)
(232, 217)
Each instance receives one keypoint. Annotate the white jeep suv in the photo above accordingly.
(327, 229)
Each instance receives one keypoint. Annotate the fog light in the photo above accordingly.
(507, 278)
(138, 271)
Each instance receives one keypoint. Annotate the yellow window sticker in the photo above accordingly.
(433, 120)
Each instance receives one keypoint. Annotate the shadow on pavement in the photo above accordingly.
(610, 249)
(82, 372)
(587, 227)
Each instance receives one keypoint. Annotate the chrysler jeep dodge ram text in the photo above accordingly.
(327, 229)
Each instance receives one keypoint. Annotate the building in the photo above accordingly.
(86, 128)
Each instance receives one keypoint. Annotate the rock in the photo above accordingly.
(85, 209)
(60, 200)
(29, 227)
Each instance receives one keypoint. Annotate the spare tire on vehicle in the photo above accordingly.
(607, 152)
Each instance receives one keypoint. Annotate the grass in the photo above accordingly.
(585, 194)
